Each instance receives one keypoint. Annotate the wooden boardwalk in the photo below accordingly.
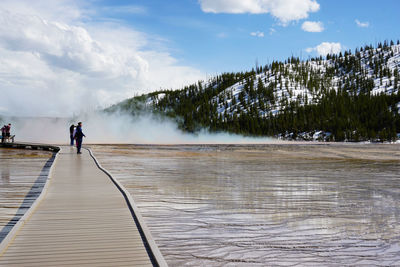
(80, 219)
(30, 146)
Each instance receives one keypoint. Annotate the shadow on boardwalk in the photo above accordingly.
(30, 197)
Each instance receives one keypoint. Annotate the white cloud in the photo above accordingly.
(257, 34)
(362, 24)
(325, 48)
(272, 31)
(56, 65)
(284, 10)
(312, 26)
(67, 11)
(309, 49)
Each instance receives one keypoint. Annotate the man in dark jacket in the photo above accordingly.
(79, 136)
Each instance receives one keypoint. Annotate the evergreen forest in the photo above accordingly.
(350, 96)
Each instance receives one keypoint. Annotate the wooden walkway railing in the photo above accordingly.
(81, 219)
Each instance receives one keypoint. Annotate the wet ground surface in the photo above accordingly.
(23, 174)
(279, 205)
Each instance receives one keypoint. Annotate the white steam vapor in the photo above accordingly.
(102, 128)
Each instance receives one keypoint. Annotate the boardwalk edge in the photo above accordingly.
(155, 251)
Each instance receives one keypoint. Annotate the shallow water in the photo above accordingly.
(23, 174)
(263, 205)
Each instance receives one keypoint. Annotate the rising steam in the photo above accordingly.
(104, 128)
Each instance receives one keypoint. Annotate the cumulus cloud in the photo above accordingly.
(284, 10)
(312, 26)
(257, 34)
(55, 60)
(362, 24)
(325, 48)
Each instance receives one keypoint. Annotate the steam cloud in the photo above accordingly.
(101, 128)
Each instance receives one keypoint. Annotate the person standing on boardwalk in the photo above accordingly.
(79, 136)
(71, 134)
(3, 133)
(8, 131)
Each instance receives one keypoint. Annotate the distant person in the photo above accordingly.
(79, 136)
(3, 133)
(8, 131)
(71, 133)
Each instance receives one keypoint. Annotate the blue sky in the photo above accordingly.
(68, 56)
(217, 42)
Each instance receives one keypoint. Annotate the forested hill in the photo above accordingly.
(351, 96)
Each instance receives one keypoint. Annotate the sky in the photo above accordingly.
(63, 57)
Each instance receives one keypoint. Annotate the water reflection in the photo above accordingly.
(23, 174)
(281, 205)
(5, 173)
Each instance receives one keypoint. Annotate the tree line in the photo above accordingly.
(353, 96)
